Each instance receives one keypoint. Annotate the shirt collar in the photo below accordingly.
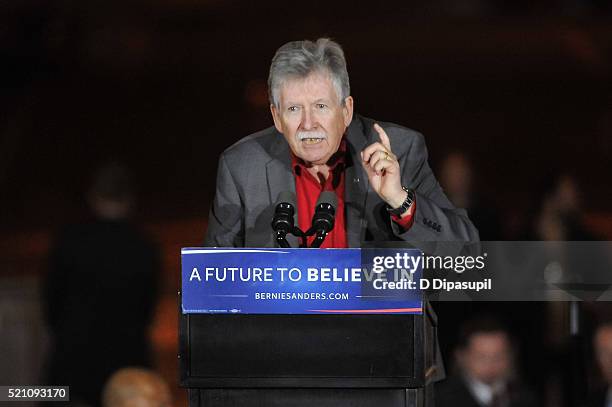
(484, 392)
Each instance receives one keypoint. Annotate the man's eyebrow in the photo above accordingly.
(320, 100)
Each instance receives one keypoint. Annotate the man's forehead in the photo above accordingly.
(480, 338)
(317, 85)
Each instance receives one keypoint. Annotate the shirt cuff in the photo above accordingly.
(406, 221)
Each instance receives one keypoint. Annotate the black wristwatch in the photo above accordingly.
(405, 205)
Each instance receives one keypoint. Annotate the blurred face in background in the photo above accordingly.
(487, 357)
(603, 351)
(456, 179)
(568, 194)
(312, 117)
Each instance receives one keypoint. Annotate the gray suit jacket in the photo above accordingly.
(256, 169)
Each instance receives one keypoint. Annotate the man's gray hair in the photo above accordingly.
(298, 59)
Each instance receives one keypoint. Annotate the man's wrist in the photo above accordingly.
(398, 199)
(403, 207)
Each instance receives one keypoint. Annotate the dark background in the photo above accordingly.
(523, 87)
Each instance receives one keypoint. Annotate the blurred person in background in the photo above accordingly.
(458, 181)
(559, 214)
(100, 292)
(485, 370)
(602, 341)
(136, 387)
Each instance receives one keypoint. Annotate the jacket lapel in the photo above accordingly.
(356, 185)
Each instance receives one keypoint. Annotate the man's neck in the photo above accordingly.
(319, 171)
(322, 171)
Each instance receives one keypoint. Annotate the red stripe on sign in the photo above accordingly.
(365, 311)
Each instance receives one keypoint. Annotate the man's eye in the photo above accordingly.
(293, 108)
(321, 106)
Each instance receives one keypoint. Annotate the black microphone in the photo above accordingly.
(323, 219)
(283, 222)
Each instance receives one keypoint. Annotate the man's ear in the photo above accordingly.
(347, 110)
(276, 118)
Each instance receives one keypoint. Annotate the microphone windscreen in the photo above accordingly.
(328, 197)
(286, 197)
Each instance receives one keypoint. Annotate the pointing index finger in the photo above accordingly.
(384, 139)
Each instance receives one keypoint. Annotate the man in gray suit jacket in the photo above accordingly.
(390, 192)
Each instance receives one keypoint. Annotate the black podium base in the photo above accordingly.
(421, 397)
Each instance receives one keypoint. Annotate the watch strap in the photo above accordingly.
(410, 196)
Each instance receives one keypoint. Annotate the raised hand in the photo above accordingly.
(383, 170)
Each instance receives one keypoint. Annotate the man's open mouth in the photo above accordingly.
(311, 137)
(312, 140)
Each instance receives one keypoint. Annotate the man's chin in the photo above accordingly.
(315, 159)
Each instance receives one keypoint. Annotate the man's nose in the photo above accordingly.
(308, 122)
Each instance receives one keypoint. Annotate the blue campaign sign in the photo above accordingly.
(301, 281)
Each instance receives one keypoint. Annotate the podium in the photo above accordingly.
(269, 360)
